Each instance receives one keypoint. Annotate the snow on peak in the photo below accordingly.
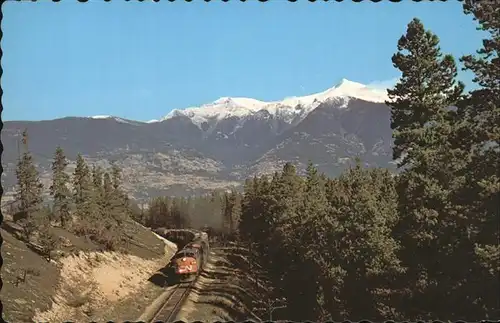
(358, 91)
(345, 89)
(117, 119)
(345, 83)
(223, 100)
(221, 108)
(287, 108)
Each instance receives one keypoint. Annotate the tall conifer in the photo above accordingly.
(59, 188)
(28, 194)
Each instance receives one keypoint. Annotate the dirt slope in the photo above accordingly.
(82, 284)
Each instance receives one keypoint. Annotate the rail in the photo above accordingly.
(172, 305)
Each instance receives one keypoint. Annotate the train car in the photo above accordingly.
(202, 246)
(186, 264)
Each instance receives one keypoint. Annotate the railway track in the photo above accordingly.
(171, 307)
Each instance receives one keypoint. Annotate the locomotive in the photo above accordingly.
(188, 262)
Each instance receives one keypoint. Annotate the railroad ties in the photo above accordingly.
(169, 310)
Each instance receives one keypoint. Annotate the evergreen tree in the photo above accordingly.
(227, 207)
(116, 176)
(483, 107)
(302, 266)
(153, 213)
(28, 194)
(85, 200)
(81, 181)
(108, 199)
(255, 225)
(424, 125)
(365, 252)
(315, 203)
(97, 180)
(235, 202)
(59, 189)
(420, 102)
(120, 210)
(107, 187)
(479, 135)
(288, 191)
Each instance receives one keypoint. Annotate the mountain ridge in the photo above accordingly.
(179, 155)
(343, 89)
(241, 107)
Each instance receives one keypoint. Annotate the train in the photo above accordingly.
(188, 262)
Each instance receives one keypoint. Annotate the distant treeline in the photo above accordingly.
(219, 211)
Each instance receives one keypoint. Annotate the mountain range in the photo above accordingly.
(217, 145)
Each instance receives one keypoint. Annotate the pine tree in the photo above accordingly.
(255, 224)
(287, 191)
(87, 209)
(315, 203)
(59, 189)
(154, 213)
(81, 181)
(120, 209)
(97, 180)
(116, 176)
(231, 211)
(108, 197)
(28, 194)
(354, 254)
(302, 266)
(364, 244)
(483, 108)
(420, 102)
(424, 125)
(245, 226)
(235, 201)
(479, 196)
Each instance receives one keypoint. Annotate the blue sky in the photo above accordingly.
(141, 60)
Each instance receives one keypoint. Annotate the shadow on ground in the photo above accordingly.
(227, 288)
(163, 277)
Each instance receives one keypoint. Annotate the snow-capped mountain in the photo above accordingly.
(220, 143)
(292, 109)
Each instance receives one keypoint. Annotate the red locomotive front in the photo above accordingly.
(186, 264)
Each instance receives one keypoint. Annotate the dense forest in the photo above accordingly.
(422, 244)
(419, 245)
